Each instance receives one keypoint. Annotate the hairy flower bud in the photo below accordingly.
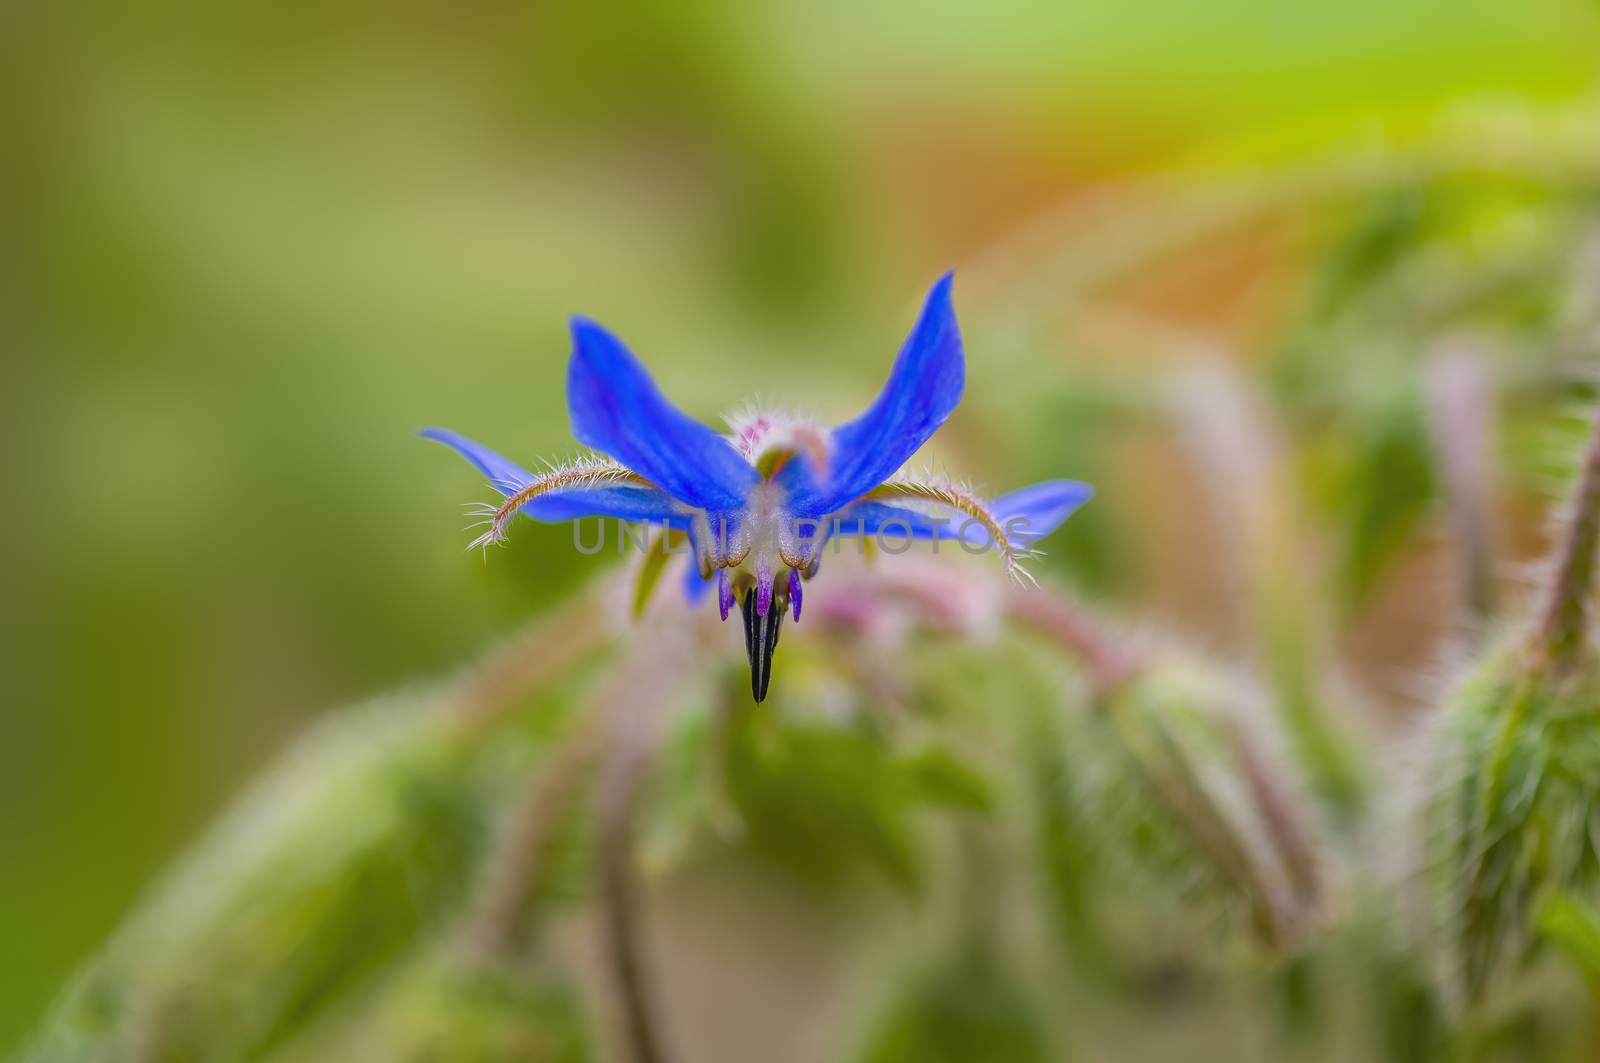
(1512, 808)
(1182, 806)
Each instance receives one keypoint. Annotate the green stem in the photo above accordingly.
(1563, 624)
(1284, 823)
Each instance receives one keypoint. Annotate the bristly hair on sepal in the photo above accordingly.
(587, 470)
(940, 490)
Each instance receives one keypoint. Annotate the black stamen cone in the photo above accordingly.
(760, 639)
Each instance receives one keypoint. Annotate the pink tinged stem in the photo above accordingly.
(794, 592)
(621, 896)
(1460, 396)
(1563, 624)
(763, 588)
(724, 593)
(1109, 661)
(522, 856)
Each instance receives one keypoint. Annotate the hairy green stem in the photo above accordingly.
(1284, 822)
(1563, 623)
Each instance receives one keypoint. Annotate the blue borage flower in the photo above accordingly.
(757, 505)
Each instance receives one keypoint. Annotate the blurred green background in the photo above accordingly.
(254, 247)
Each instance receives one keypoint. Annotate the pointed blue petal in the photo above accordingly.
(617, 409)
(612, 500)
(1029, 514)
(869, 518)
(505, 475)
(923, 388)
(1043, 506)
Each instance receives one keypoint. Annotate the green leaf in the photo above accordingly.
(818, 797)
(1386, 492)
(447, 1007)
(938, 777)
(959, 1013)
(1573, 926)
(361, 844)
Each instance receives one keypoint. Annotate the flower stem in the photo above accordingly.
(1460, 408)
(1173, 773)
(519, 858)
(625, 769)
(1284, 821)
(631, 705)
(1241, 454)
(1563, 620)
(1108, 662)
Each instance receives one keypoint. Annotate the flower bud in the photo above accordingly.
(1180, 806)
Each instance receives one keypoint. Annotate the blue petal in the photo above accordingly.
(923, 388)
(613, 500)
(617, 409)
(869, 518)
(696, 585)
(1044, 506)
(1029, 514)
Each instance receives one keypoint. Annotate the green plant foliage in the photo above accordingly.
(361, 846)
(955, 1013)
(1140, 850)
(823, 796)
(1518, 772)
(1387, 484)
(446, 1008)
(1155, 846)
(1573, 926)
(1407, 274)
